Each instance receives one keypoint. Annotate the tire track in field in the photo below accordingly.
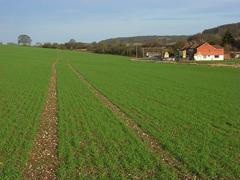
(152, 143)
(43, 161)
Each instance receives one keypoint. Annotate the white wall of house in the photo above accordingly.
(208, 58)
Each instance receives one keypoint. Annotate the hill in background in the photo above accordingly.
(217, 34)
(234, 29)
(165, 40)
(214, 34)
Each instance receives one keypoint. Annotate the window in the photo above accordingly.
(216, 56)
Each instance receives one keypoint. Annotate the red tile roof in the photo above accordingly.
(207, 50)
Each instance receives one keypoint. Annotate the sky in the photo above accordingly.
(95, 20)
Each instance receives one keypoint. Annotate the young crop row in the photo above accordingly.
(193, 111)
(93, 142)
(24, 77)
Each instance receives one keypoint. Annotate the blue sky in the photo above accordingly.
(94, 20)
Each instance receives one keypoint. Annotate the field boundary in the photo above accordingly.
(43, 160)
(225, 65)
(153, 145)
(210, 64)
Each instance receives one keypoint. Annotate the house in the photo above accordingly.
(207, 52)
(202, 52)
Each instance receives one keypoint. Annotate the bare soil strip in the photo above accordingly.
(152, 143)
(43, 159)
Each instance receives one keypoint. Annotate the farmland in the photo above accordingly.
(24, 77)
(93, 142)
(191, 111)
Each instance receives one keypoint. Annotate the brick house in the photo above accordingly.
(207, 52)
(203, 52)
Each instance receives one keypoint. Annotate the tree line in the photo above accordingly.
(115, 48)
(135, 49)
(227, 40)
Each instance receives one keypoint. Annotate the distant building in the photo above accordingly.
(202, 52)
(160, 53)
(152, 52)
(166, 55)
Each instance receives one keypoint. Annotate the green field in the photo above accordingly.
(24, 77)
(192, 111)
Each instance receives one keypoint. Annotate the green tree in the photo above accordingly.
(72, 41)
(228, 39)
(71, 44)
(24, 40)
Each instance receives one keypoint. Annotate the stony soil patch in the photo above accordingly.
(43, 159)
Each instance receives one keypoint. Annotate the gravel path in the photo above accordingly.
(43, 159)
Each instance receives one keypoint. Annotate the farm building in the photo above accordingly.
(166, 55)
(160, 52)
(203, 52)
(152, 51)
